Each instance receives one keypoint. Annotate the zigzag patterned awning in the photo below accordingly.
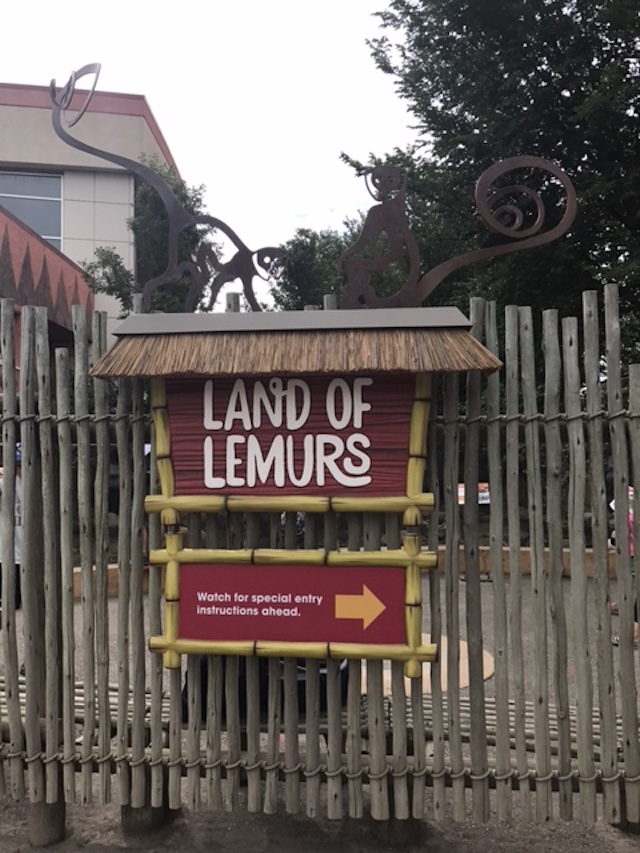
(32, 272)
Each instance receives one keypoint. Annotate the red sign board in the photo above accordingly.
(361, 604)
(313, 435)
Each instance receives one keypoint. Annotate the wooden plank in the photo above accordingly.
(65, 467)
(139, 787)
(9, 637)
(123, 445)
(512, 391)
(194, 705)
(538, 575)
(158, 775)
(354, 740)
(452, 526)
(175, 759)
(213, 766)
(355, 791)
(194, 691)
(399, 766)
(500, 619)
(581, 630)
(254, 803)
(378, 767)
(620, 455)
(473, 597)
(291, 717)
(378, 778)
(272, 766)
(435, 614)
(31, 565)
(101, 526)
(234, 731)
(291, 710)
(312, 702)
(555, 514)
(606, 680)
(85, 522)
(51, 527)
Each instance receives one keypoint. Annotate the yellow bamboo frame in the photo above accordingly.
(410, 556)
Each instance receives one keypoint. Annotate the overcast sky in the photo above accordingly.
(256, 99)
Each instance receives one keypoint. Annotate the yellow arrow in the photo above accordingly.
(366, 607)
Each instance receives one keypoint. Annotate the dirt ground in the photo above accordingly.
(98, 829)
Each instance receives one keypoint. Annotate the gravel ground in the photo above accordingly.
(99, 830)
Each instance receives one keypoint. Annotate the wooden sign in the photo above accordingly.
(293, 603)
(282, 435)
(303, 444)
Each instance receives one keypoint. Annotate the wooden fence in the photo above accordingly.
(530, 712)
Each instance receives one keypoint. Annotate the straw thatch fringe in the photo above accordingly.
(321, 351)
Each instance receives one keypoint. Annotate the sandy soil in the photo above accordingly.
(98, 829)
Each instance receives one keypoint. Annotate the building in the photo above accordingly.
(73, 201)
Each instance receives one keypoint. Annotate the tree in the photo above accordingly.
(311, 268)
(107, 273)
(559, 79)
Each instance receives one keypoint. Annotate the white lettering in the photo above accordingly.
(259, 466)
(298, 460)
(238, 407)
(296, 419)
(234, 461)
(307, 464)
(359, 405)
(327, 458)
(261, 399)
(365, 460)
(347, 405)
(209, 421)
(210, 481)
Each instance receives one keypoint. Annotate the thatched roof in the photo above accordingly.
(382, 341)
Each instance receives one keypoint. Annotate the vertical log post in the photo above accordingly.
(500, 615)
(9, 634)
(580, 627)
(555, 515)
(600, 533)
(512, 363)
(538, 575)
(620, 454)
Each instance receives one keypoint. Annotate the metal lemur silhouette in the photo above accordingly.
(386, 239)
(244, 265)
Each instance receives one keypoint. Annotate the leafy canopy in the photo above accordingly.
(559, 79)
(311, 268)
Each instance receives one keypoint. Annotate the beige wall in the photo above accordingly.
(97, 196)
(95, 210)
(28, 138)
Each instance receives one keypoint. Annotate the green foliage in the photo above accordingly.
(311, 270)
(107, 273)
(556, 79)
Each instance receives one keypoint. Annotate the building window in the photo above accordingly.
(36, 200)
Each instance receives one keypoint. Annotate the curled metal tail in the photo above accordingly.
(515, 211)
